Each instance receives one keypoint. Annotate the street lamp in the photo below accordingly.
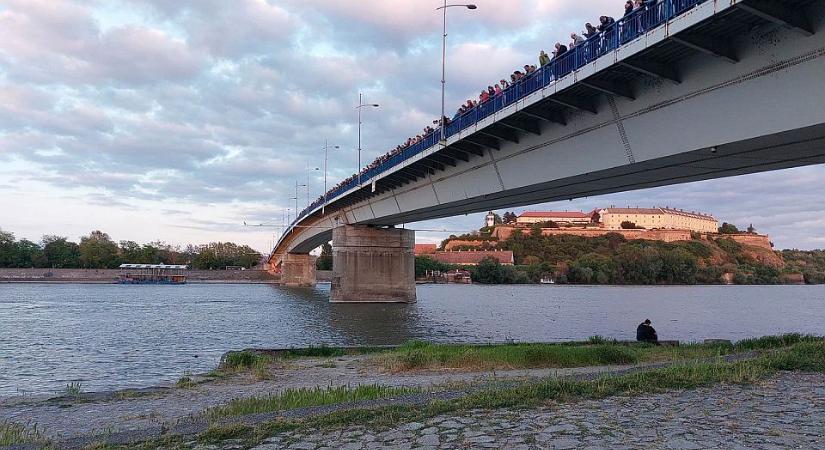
(444, 67)
(326, 158)
(360, 106)
(296, 197)
(309, 174)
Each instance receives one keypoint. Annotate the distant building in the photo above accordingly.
(560, 217)
(425, 249)
(658, 218)
(473, 258)
(490, 220)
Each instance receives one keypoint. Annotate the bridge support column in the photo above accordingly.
(298, 270)
(372, 265)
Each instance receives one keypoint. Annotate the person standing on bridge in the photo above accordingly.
(646, 333)
(544, 59)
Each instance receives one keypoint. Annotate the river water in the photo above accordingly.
(112, 336)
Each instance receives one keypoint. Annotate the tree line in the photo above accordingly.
(98, 251)
(612, 259)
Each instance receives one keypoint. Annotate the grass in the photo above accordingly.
(784, 353)
(12, 433)
(596, 351)
(74, 389)
(185, 382)
(304, 397)
(258, 364)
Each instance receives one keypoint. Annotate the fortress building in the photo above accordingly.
(658, 218)
(560, 217)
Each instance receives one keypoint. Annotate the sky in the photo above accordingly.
(179, 120)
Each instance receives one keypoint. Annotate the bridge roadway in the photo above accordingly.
(725, 88)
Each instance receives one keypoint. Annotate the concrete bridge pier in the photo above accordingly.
(298, 270)
(372, 265)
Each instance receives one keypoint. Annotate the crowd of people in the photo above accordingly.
(600, 34)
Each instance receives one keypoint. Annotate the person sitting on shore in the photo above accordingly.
(646, 333)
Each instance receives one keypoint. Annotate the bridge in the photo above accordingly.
(684, 91)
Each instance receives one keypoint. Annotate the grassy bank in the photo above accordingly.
(804, 356)
(12, 433)
(597, 352)
(785, 353)
(300, 398)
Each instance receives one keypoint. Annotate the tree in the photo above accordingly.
(324, 262)
(131, 252)
(7, 249)
(488, 271)
(628, 225)
(98, 251)
(59, 253)
(27, 254)
(728, 228)
(424, 264)
(219, 255)
(509, 217)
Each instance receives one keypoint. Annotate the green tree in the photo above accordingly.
(639, 264)
(488, 271)
(728, 228)
(98, 251)
(131, 253)
(423, 264)
(7, 249)
(509, 217)
(324, 262)
(59, 253)
(678, 267)
(28, 254)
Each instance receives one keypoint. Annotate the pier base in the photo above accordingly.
(372, 265)
(298, 270)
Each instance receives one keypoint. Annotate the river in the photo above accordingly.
(112, 336)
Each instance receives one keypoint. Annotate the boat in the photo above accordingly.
(152, 274)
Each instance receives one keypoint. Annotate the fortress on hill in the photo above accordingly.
(618, 219)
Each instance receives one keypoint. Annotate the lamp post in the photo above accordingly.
(309, 174)
(360, 106)
(443, 9)
(326, 159)
(296, 197)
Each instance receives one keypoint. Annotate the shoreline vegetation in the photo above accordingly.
(638, 369)
(99, 251)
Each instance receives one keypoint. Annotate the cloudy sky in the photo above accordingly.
(179, 120)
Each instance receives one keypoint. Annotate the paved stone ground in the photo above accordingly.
(107, 412)
(786, 412)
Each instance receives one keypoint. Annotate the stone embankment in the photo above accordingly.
(786, 412)
(105, 276)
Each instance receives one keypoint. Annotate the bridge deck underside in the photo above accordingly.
(774, 152)
(736, 92)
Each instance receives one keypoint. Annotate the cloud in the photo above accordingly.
(178, 105)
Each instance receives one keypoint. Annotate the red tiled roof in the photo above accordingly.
(425, 249)
(473, 257)
(563, 214)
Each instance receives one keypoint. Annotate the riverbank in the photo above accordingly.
(110, 276)
(301, 396)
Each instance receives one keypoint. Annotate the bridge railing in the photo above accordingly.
(621, 32)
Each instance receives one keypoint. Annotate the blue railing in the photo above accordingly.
(623, 31)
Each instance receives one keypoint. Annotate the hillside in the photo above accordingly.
(613, 259)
